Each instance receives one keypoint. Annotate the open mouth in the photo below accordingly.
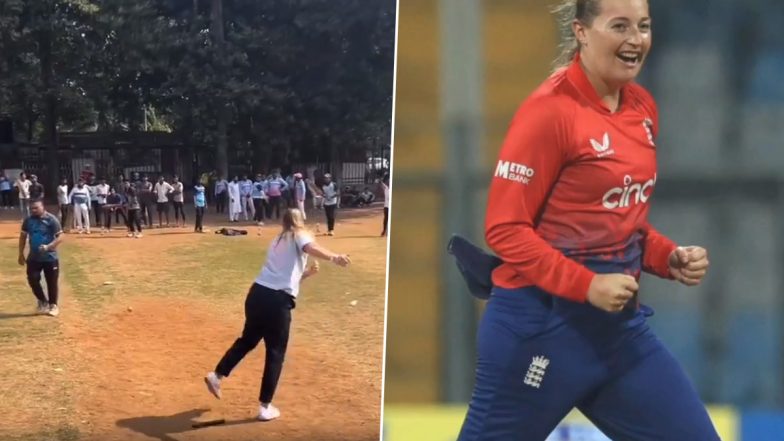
(630, 59)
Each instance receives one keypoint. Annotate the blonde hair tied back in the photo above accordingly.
(565, 13)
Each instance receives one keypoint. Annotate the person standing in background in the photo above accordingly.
(119, 184)
(318, 197)
(80, 201)
(36, 188)
(235, 201)
(204, 180)
(63, 202)
(265, 202)
(45, 234)
(101, 193)
(300, 191)
(275, 188)
(114, 204)
(257, 194)
(122, 189)
(134, 212)
(146, 201)
(331, 196)
(92, 187)
(288, 200)
(178, 200)
(162, 191)
(221, 194)
(200, 205)
(246, 190)
(23, 188)
(5, 191)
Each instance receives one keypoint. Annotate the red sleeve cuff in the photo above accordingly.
(581, 284)
(657, 260)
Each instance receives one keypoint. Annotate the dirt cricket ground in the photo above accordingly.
(143, 320)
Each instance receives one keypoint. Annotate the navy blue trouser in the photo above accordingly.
(539, 356)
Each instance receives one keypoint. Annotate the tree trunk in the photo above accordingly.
(31, 119)
(50, 111)
(336, 164)
(216, 30)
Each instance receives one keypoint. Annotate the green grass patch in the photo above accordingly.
(92, 294)
(37, 376)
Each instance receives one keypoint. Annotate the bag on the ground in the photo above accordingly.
(231, 232)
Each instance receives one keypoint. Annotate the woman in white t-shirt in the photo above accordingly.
(268, 307)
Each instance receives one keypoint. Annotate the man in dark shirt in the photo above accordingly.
(146, 200)
(36, 188)
(44, 233)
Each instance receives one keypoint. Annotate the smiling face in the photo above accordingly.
(615, 44)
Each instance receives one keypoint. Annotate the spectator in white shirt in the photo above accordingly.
(299, 192)
(235, 200)
(178, 200)
(162, 191)
(246, 195)
(80, 200)
(101, 193)
(63, 201)
(23, 187)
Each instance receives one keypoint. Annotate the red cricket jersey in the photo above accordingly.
(573, 183)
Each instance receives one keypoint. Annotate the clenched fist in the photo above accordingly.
(610, 292)
(689, 265)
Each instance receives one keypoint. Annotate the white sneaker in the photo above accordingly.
(130, 234)
(213, 384)
(268, 413)
(43, 307)
(54, 311)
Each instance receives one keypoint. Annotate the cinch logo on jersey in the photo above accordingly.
(630, 193)
(514, 172)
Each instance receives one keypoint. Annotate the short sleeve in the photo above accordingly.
(303, 239)
(26, 225)
(54, 226)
